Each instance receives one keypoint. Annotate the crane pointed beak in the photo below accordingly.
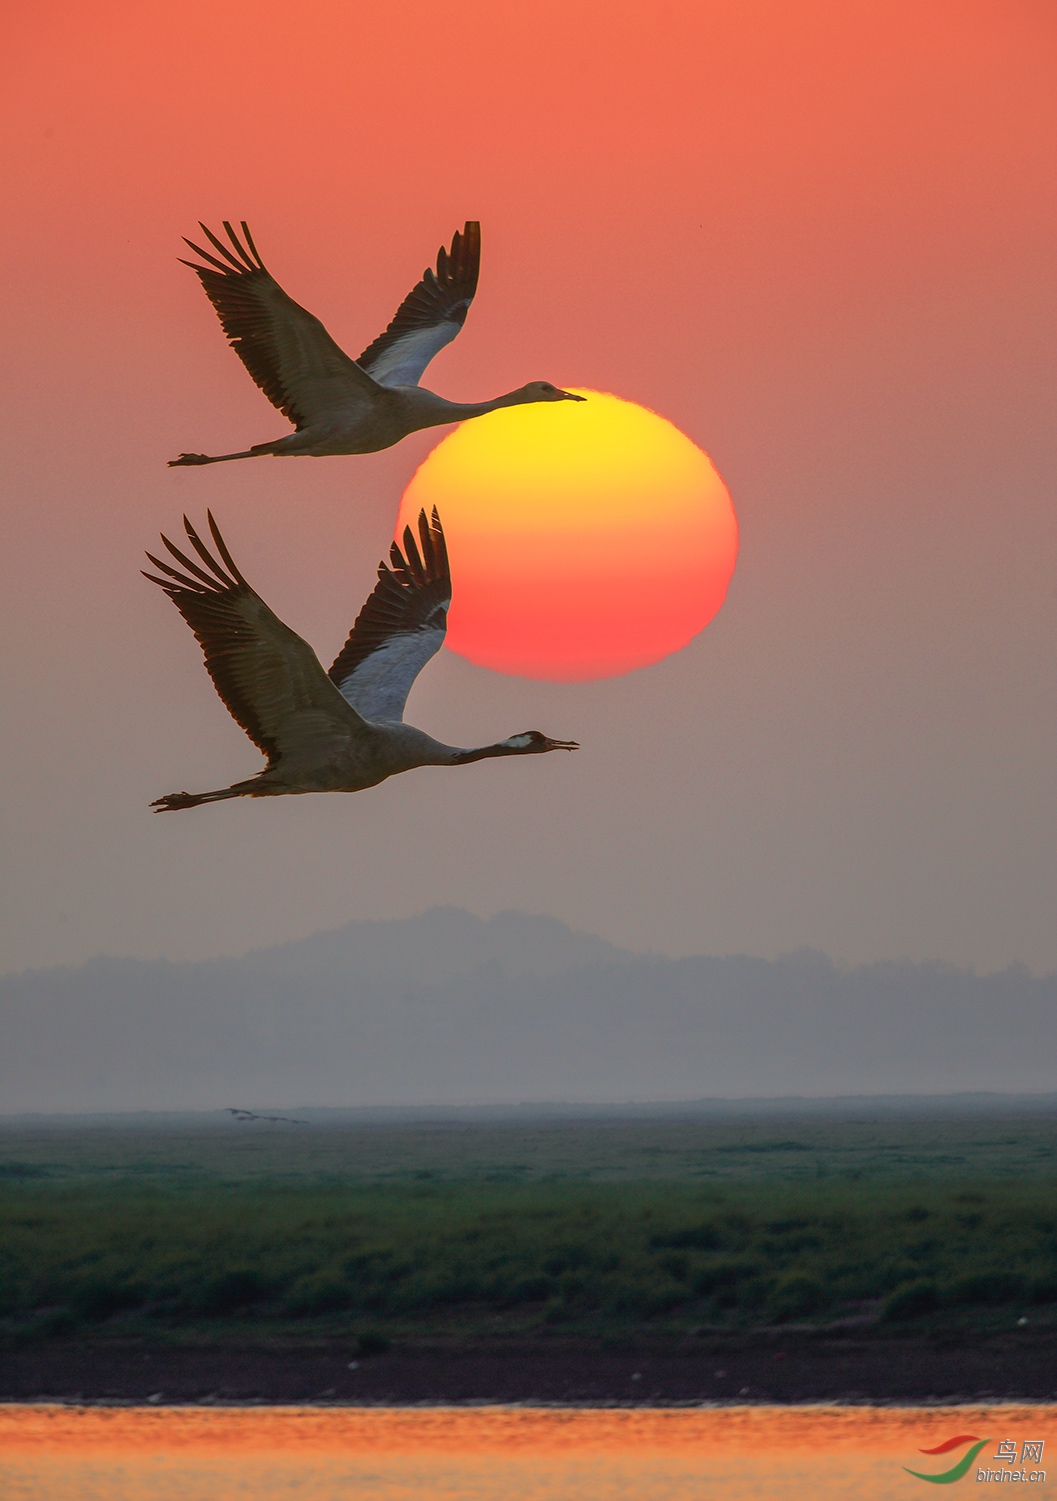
(563, 744)
(571, 396)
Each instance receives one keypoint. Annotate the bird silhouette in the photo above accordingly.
(336, 732)
(336, 404)
(248, 1115)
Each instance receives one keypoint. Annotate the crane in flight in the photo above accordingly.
(338, 405)
(324, 732)
(245, 1116)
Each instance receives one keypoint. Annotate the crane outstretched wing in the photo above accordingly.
(430, 316)
(284, 347)
(270, 679)
(400, 627)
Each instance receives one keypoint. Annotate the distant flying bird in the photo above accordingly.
(340, 405)
(248, 1115)
(336, 732)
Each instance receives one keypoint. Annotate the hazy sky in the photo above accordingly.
(819, 237)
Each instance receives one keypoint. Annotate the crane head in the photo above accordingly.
(542, 390)
(533, 743)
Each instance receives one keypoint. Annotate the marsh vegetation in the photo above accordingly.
(601, 1228)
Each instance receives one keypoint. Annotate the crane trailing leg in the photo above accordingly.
(276, 446)
(174, 801)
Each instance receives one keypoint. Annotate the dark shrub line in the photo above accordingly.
(555, 1252)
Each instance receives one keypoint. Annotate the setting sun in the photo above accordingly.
(586, 539)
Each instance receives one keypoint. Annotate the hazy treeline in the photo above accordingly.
(446, 1007)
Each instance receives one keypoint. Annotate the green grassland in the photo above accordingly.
(193, 1231)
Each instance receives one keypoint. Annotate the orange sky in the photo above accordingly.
(816, 236)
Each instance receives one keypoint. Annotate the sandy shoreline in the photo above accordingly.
(765, 1366)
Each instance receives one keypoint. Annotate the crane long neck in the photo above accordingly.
(458, 411)
(414, 748)
(484, 752)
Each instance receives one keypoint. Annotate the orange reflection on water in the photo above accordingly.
(53, 1453)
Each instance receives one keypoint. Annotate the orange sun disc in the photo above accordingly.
(586, 538)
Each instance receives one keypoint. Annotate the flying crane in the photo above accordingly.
(338, 405)
(340, 731)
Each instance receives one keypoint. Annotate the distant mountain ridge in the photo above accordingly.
(442, 943)
(448, 1008)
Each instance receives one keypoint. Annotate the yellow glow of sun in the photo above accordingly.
(586, 538)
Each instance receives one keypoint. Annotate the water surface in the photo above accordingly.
(58, 1453)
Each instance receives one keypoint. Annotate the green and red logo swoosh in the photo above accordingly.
(948, 1477)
